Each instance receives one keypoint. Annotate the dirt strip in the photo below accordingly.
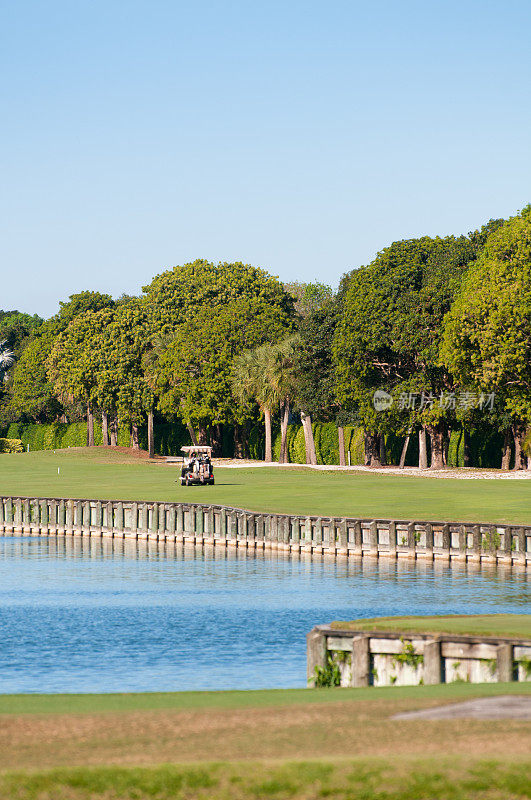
(335, 730)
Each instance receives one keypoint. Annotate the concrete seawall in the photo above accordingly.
(379, 658)
(222, 526)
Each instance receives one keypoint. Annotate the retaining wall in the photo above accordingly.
(379, 658)
(234, 527)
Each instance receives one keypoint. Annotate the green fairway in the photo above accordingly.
(103, 474)
(181, 701)
(510, 625)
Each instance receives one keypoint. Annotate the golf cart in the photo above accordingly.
(197, 466)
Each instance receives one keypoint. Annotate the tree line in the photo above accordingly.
(433, 336)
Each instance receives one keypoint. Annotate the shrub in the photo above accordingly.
(257, 441)
(329, 675)
(354, 442)
(11, 446)
(326, 444)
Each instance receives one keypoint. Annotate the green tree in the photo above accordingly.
(487, 334)
(309, 297)
(7, 358)
(389, 334)
(76, 359)
(195, 371)
(212, 313)
(79, 304)
(32, 392)
(315, 376)
(175, 295)
(16, 327)
(126, 391)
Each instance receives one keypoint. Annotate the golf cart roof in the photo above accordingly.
(196, 448)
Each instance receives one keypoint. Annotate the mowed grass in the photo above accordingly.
(510, 625)
(100, 473)
(236, 700)
(307, 744)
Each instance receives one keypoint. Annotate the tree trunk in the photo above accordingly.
(105, 428)
(306, 450)
(267, 424)
(341, 445)
(372, 449)
(506, 451)
(191, 431)
(383, 454)
(114, 432)
(134, 436)
(436, 433)
(446, 447)
(239, 445)
(245, 438)
(216, 439)
(423, 450)
(519, 431)
(284, 416)
(466, 448)
(90, 426)
(202, 435)
(404, 450)
(151, 438)
(311, 455)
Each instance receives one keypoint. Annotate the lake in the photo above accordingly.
(81, 615)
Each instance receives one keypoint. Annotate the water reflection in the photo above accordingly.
(81, 614)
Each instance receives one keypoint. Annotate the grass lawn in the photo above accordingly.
(510, 625)
(340, 743)
(233, 700)
(352, 779)
(103, 474)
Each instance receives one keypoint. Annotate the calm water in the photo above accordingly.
(93, 616)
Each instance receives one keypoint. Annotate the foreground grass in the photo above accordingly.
(511, 625)
(365, 779)
(104, 474)
(339, 743)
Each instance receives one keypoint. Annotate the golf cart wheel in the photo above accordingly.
(211, 481)
(182, 481)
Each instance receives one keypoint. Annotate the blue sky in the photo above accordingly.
(302, 137)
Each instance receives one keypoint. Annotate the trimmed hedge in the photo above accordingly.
(326, 444)
(485, 448)
(59, 435)
(168, 437)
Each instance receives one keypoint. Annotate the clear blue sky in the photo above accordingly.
(298, 136)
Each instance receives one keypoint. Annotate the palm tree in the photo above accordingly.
(283, 380)
(255, 378)
(268, 375)
(292, 378)
(7, 358)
